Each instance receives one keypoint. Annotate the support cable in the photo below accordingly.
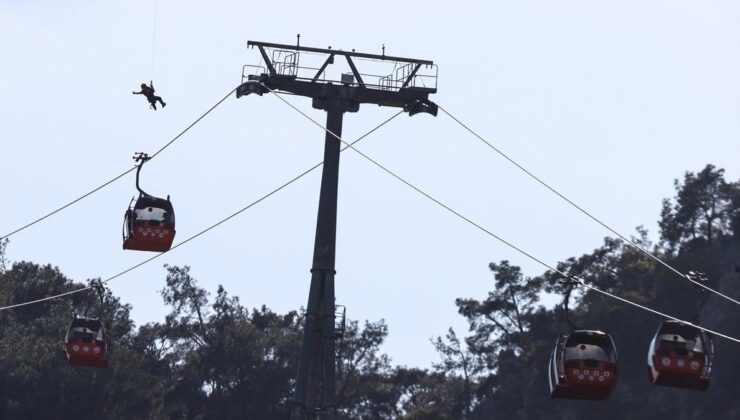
(388, 171)
(89, 193)
(500, 239)
(252, 204)
(117, 177)
(613, 296)
(584, 211)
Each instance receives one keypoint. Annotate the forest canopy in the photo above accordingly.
(211, 357)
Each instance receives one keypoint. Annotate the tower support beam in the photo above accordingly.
(315, 384)
(315, 387)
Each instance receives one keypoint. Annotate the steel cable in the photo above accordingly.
(584, 211)
(117, 177)
(220, 222)
(490, 233)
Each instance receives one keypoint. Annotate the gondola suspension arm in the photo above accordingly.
(140, 159)
(570, 281)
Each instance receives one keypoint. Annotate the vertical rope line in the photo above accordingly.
(154, 39)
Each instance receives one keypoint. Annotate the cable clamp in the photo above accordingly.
(571, 280)
(697, 276)
(97, 285)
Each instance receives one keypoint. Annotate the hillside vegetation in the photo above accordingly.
(212, 358)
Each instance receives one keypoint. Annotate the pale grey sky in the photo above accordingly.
(607, 102)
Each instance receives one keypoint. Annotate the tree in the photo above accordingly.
(3, 258)
(733, 192)
(459, 364)
(500, 321)
(226, 361)
(701, 209)
(187, 320)
(363, 372)
(424, 395)
(36, 382)
(211, 357)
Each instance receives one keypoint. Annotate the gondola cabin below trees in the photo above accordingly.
(86, 343)
(583, 365)
(680, 356)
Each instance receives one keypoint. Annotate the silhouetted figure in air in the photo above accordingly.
(148, 91)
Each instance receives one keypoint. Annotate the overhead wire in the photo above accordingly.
(489, 232)
(417, 189)
(194, 122)
(117, 177)
(613, 296)
(584, 211)
(213, 226)
(87, 194)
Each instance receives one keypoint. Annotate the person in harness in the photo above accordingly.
(148, 91)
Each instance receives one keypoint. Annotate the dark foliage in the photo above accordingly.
(699, 231)
(213, 358)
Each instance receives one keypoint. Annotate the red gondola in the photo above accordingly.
(86, 343)
(148, 225)
(680, 356)
(583, 366)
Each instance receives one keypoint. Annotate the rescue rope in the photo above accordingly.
(154, 38)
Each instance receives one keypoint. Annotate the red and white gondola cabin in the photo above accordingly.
(86, 343)
(149, 225)
(583, 365)
(680, 356)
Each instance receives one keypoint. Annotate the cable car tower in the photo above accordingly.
(385, 81)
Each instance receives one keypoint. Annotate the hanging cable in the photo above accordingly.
(193, 123)
(243, 209)
(584, 211)
(89, 193)
(351, 145)
(657, 312)
(44, 299)
(154, 39)
(403, 180)
(488, 232)
(117, 177)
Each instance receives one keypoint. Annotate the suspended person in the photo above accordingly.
(148, 91)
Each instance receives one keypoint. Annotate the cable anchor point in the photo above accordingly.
(251, 86)
(421, 106)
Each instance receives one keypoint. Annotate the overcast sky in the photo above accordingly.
(608, 103)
